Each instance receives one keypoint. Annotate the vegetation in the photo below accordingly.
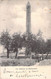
(5, 40)
(33, 43)
(16, 43)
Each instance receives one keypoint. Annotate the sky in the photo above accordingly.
(13, 16)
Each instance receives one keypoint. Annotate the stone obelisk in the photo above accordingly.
(28, 18)
(28, 27)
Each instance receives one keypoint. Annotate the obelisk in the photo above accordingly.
(28, 28)
(28, 18)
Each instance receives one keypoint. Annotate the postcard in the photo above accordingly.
(25, 39)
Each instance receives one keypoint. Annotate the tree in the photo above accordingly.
(48, 47)
(29, 43)
(5, 40)
(16, 43)
(24, 37)
(41, 45)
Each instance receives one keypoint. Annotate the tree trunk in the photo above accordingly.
(42, 57)
(47, 55)
(28, 52)
(16, 53)
(7, 53)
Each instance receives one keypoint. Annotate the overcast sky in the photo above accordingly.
(13, 16)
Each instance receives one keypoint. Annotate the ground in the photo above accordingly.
(45, 62)
(17, 62)
(4, 61)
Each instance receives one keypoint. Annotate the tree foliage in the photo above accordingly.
(5, 40)
(16, 43)
(33, 43)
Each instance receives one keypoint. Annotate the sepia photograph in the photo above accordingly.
(25, 32)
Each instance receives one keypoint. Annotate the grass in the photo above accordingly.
(18, 62)
(11, 61)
